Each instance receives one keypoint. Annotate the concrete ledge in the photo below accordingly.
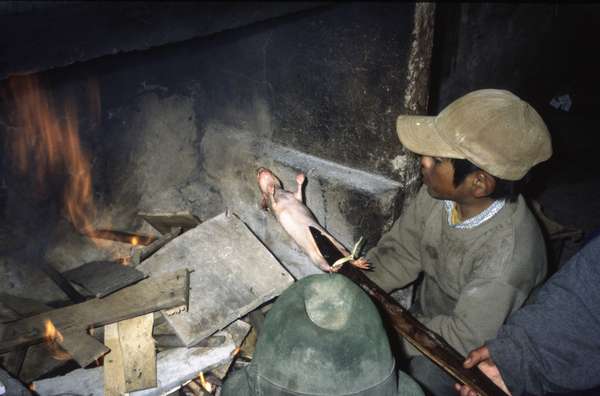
(348, 202)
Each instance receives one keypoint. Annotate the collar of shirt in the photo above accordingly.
(474, 221)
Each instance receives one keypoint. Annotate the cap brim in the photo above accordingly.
(419, 135)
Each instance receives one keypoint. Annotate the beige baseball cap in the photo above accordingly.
(494, 129)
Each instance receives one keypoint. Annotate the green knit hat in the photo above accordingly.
(323, 336)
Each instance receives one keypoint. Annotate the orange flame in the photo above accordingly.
(52, 338)
(205, 384)
(49, 145)
(135, 241)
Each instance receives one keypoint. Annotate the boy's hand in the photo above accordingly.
(481, 358)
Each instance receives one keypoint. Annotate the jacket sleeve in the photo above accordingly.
(552, 345)
(474, 321)
(396, 258)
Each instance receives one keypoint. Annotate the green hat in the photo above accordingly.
(323, 336)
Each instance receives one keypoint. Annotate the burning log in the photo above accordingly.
(120, 236)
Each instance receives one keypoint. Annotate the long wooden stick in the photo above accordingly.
(426, 341)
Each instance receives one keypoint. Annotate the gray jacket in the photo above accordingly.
(473, 278)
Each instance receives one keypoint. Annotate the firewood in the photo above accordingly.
(152, 294)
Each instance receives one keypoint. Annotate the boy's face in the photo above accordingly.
(438, 176)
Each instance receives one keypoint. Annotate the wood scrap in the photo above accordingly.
(233, 273)
(18, 308)
(239, 331)
(114, 374)
(62, 283)
(100, 278)
(174, 367)
(13, 361)
(142, 254)
(38, 361)
(156, 293)
(21, 307)
(83, 348)
(163, 222)
(139, 355)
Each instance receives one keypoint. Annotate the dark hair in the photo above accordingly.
(508, 189)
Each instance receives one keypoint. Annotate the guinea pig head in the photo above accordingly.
(267, 182)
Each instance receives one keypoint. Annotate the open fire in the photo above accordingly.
(45, 142)
(52, 339)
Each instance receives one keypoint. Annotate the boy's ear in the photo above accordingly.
(483, 184)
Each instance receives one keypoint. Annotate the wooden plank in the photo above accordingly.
(426, 341)
(62, 283)
(83, 348)
(38, 361)
(239, 331)
(233, 273)
(13, 360)
(114, 376)
(21, 307)
(103, 277)
(156, 293)
(174, 367)
(139, 355)
(142, 254)
(164, 221)
(18, 308)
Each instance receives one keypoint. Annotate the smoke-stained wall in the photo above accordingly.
(184, 126)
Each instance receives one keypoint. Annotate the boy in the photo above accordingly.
(468, 231)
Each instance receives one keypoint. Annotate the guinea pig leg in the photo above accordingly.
(272, 196)
(299, 181)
